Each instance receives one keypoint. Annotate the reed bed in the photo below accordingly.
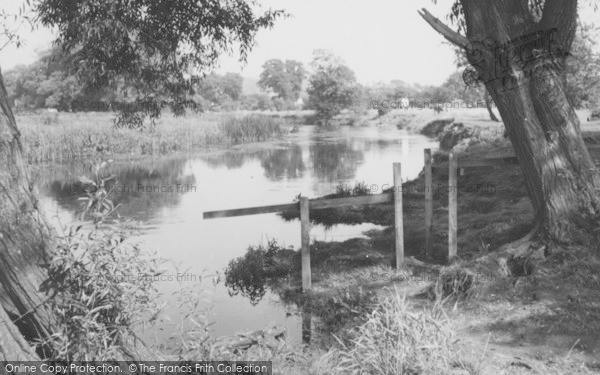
(77, 136)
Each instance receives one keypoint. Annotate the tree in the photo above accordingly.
(518, 49)
(583, 68)
(220, 89)
(332, 86)
(150, 45)
(284, 79)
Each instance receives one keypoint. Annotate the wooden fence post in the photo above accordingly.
(306, 327)
(305, 233)
(452, 207)
(398, 219)
(428, 201)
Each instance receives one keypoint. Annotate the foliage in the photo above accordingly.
(344, 306)
(78, 136)
(345, 190)
(250, 128)
(283, 78)
(583, 68)
(332, 87)
(11, 23)
(45, 83)
(97, 205)
(156, 49)
(100, 286)
(218, 89)
(395, 340)
(249, 274)
(257, 102)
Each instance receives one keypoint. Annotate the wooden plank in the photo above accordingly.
(316, 204)
(250, 211)
(305, 233)
(481, 162)
(452, 208)
(398, 219)
(428, 201)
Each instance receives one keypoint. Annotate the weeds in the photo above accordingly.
(341, 308)
(394, 340)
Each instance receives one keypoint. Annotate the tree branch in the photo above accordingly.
(451, 35)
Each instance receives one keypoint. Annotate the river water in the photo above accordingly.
(170, 194)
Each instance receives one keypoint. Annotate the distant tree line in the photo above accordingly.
(328, 86)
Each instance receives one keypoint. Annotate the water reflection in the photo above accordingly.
(336, 161)
(141, 189)
(283, 163)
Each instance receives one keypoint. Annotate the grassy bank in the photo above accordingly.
(73, 136)
(505, 314)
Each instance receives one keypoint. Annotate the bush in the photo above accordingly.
(100, 285)
(249, 274)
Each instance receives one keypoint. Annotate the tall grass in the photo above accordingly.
(394, 340)
(78, 136)
(249, 128)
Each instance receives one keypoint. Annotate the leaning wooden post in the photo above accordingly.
(305, 233)
(399, 220)
(428, 201)
(452, 207)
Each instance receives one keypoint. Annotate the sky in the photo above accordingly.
(380, 40)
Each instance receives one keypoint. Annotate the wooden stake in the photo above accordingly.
(305, 233)
(452, 208)
(399, 220)
(428, 201)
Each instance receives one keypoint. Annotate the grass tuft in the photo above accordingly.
(394, 340)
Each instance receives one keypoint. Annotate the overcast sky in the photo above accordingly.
(380, 40)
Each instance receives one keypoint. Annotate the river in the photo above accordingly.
(170, 194)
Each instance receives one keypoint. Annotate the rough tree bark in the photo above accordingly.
(488, 105)
(13, 346)
(562, 181)
(24, 241)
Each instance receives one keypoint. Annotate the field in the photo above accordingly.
(75, 136)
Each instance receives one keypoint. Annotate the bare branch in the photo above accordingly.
(451, 35)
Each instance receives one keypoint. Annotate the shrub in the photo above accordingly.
(249, 274)
(100, 285)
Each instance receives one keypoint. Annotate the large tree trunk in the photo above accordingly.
(24, 240)
(561, 178)
(13, 346)
(488, 105)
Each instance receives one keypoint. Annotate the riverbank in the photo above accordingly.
(503, 314)
(64, 137)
